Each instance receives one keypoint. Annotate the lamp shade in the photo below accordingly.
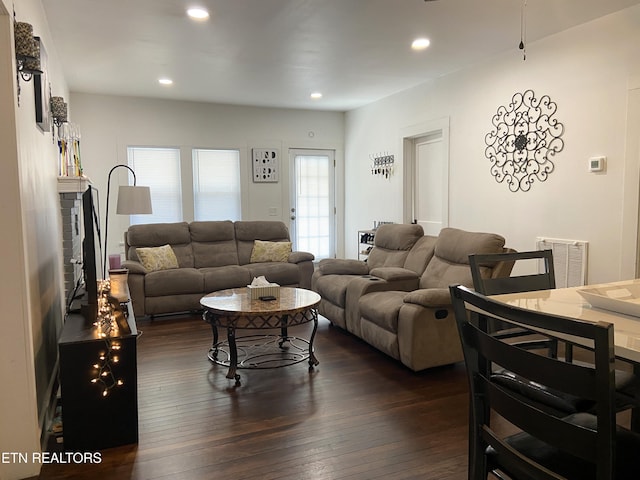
(133, 200)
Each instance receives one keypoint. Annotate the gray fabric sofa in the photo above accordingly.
(398, 301)
(211, 256)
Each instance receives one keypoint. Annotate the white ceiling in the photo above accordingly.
(276, 52)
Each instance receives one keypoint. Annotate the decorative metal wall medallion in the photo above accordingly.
(523, 141)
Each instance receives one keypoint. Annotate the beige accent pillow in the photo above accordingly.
(157, 258)
(270, 251)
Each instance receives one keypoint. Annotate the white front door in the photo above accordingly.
(312, 213)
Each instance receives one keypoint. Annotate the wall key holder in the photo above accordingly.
(382, 165)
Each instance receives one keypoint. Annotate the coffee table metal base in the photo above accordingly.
(261, 351)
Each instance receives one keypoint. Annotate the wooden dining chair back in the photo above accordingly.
(529, 442)
(544, 280)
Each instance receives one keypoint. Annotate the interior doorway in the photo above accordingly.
(631, 205)
(313, 212)
(426, 175)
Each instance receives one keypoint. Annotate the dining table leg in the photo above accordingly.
(635, 411)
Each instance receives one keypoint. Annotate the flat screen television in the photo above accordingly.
(91, 253)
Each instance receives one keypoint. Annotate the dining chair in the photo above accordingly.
(544, 280)
(509, 435)
(627, 384)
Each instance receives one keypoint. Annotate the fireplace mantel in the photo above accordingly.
(73, 184)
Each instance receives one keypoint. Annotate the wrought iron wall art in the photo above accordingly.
(382, 165)
(524, 140)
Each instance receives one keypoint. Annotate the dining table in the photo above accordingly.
(569, 302)
(617, 303)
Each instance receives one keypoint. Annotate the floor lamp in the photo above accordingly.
(132, 200)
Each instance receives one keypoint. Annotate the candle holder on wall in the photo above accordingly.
(27, 50)
(382, 165)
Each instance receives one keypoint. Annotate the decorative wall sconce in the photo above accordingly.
(58, 111)
(382, 165)
(27, 52)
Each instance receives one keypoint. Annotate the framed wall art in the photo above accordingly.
(265, 165)
(42, 92)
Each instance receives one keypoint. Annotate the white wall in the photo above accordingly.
(109, 124)
(31, 286)
(587, 72)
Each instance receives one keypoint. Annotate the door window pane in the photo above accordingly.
(313, 205)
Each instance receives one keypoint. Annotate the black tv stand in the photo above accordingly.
(90, 420)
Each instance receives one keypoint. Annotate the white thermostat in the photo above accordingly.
(596, 164)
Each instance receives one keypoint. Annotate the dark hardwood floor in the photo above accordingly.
(359, 415)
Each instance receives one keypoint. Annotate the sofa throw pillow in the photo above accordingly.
(270, 251)
(157, 258)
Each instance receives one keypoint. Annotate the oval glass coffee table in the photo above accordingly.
(234, 309)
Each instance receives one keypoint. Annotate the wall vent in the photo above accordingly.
(569, 260)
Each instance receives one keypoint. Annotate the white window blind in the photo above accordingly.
(159, 169)
(216, 185)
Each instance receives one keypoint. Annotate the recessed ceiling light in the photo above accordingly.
(165, 81)
(420, 43)
(316, 95)
(198, 13)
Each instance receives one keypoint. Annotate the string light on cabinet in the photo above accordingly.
(103, 371)
(106, 325)
(105, 319)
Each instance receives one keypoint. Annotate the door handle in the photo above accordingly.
(293, 217)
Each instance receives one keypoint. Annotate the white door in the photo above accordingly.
(431, 184)
(313, 209)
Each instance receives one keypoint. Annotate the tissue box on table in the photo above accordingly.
(260, 287)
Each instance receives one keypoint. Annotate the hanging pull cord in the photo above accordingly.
(523, 30)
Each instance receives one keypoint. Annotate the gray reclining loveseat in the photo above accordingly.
(398, 301)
